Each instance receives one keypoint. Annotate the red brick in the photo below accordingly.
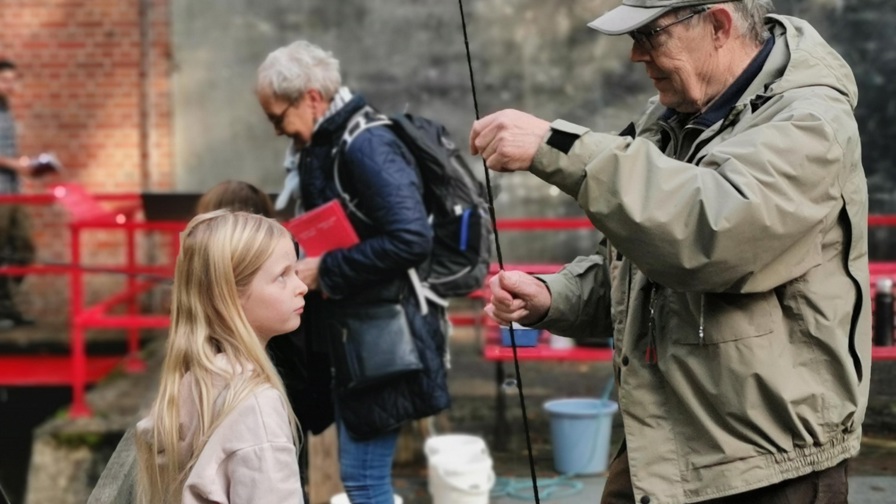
(80, 61)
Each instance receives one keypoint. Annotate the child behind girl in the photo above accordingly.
(220, 429)
(236, 195)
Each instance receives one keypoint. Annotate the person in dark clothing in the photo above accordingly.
(16, 246)
(300, 89)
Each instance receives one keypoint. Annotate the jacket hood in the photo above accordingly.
(188, 424)
(189, 412)
(813, 62)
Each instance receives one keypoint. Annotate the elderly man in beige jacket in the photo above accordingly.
(736, 214)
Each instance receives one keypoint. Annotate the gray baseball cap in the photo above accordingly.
(633, 14)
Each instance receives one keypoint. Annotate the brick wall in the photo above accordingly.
(84, 91)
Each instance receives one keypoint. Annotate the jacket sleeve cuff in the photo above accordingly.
(579, 298)
(564, 134)
(561, 158)
(562, 304)
(568, 170)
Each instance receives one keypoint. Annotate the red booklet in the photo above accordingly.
(323, 229)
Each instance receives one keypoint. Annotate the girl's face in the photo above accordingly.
(275, 299)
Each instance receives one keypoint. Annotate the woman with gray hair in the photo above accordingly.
(300, 90)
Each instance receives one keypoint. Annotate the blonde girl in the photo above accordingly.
(220, 429)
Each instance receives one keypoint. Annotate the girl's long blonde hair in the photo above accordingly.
(221, 252)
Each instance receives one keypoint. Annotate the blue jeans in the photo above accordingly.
(366, 466)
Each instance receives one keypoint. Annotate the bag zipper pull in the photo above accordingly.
(650, 355)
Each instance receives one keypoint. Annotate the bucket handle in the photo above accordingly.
(455, 486)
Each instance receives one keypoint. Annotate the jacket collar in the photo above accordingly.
(335, 121)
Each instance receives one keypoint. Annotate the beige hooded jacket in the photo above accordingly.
(740, 294)
(249, 458)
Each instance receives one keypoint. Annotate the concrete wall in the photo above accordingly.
(534, 55)
(396, 52)
(529, 54)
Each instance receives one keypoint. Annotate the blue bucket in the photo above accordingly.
(524, 336)
(580, 434)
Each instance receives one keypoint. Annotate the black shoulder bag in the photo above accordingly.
(370, 344)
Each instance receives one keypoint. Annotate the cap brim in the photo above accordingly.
(624, 19)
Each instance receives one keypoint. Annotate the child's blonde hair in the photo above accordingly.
(221, 252)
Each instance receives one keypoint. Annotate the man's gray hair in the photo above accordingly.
(290, 71)
(749, 17)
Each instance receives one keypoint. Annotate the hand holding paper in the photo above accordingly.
(44, 164)
(323, 229)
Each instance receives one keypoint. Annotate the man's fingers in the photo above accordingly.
(494, 158)
(481, 134)
(507, 303)
(495, 315)
(499, 287)
(505, 300)
(505, 318)
(518, 283)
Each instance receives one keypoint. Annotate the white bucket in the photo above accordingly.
(454, 443)
(561, 342)
(343, 499)
(460, 469)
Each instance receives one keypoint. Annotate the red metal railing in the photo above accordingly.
(86, 215)
(877, 270)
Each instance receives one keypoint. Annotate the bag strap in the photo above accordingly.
(364, 119)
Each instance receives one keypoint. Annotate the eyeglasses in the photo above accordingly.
(278, 119)
(644, 37)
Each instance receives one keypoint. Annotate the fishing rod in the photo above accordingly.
(494, 219)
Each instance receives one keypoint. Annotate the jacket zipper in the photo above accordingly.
(702, 306)
(650, 356)
(674, 137)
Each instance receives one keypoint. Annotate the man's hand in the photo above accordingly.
(507, 140)
(308, 272)
(517, 297)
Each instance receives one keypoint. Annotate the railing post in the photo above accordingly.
(133, 363)
(79, 407)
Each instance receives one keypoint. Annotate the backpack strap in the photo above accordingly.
(363, 119)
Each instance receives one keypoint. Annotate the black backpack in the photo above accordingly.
(454, 198)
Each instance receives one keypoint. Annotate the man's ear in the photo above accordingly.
(722, 25)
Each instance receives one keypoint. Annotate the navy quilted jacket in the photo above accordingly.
(378, 173)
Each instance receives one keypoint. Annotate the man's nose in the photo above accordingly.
(639, 54)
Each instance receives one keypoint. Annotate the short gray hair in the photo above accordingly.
(749, 17)
(290, 71)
